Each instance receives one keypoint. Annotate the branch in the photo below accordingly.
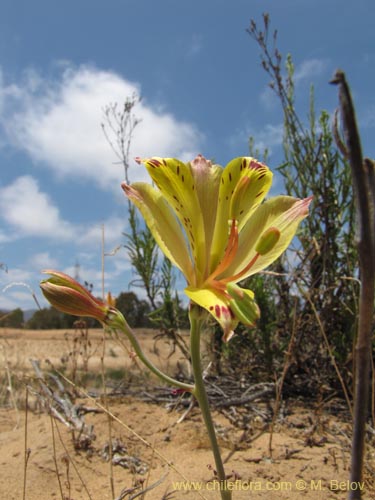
(363, 182)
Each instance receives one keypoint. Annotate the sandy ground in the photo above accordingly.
(309, 458)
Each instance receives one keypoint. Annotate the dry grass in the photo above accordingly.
(147, 443)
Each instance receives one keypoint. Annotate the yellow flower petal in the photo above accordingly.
(176, 183)
(218, 305)
(162, 224)
(283, 213)
(244, 184)
(207, 183)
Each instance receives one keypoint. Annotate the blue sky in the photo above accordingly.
(203, 91)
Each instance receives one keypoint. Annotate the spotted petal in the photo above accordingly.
(283, 213)
(176, 183)
(207, 183)
(244, 184)
(216, 303)
(163, 225)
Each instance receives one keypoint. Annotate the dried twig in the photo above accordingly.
(364, 189)
(27, 450)
(58, 404)
(10, 387)
(55, 459)
(127, 491)
(279, 385)
(130, 430)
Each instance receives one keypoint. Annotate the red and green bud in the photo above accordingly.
(243, 305)
(68, 296)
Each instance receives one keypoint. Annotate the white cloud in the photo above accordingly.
(309, 70)
(269, 137)
(43, 260)
(4, 238)
(13, 299)
(15, 289)
(15, 275)
(113, 229)
(57, 122)
(30, 211)
(268, 98)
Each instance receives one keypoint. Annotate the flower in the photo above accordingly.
(67, 295)
(211, 223)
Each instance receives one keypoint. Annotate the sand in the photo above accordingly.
(309, 457)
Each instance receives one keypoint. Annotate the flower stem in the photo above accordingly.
(125, 328)
(199, 392)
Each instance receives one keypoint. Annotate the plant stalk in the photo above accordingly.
(364, 189)
(196, 321)
(125, 328)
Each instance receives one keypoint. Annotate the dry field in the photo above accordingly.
(310, 448)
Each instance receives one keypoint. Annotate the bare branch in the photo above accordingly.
(363, 182)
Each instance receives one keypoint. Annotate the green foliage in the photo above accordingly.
(258, 349)
(321, 268)
(13, 319)
(170, 314)
(135, 311)
(143, 254)
(50, 319)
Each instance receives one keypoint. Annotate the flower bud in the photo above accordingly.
(243, 304)
(68, 296)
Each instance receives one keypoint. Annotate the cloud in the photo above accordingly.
(269, 99)
(267, 138)
(31, 212)
(58, 123)
(28, 211)
(113, 229)
(4, 237)
(309, 70)
(15, 289)
(43, 260)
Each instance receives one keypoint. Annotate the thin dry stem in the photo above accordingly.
(128, 429)
(55, 459)
(26, 449)
(72, 461)
(363, 175)
(10, 388)
(279, 386)
(330, 352)
(109, 420)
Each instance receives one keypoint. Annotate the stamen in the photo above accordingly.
(229, 254)
(239, 275)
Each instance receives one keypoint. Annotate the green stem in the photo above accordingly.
(125, 328)
(199, 392)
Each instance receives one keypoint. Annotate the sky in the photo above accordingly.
(202, 90)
